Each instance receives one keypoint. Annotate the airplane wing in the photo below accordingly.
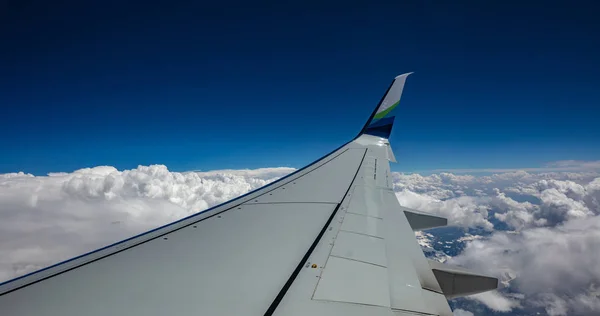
(328, 239)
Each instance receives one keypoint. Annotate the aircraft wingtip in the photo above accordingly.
(404, 75)
(382, 119)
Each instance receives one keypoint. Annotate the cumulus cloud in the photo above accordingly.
(445, 195)
(518, 199)
(548, 259)
(44, 220)
(515, 214)
(539, 231)
(557, 201)
(462, 312)
(495, 301)
(556, 267)
(556, 166)
(462, 211)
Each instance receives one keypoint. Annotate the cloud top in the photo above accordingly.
(538, 231)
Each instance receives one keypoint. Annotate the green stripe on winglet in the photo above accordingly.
(388, 110)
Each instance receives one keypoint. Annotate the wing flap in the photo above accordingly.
(412, 281)
(366, 225)
(360, 247)
(374, 253)
(419, 220)
(457, 281)
(350, 281)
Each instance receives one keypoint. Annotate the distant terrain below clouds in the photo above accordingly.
(540, 232)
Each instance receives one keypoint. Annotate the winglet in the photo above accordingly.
(382, 119)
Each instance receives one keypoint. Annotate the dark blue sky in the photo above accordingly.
(205, 86)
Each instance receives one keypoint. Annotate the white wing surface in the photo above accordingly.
(329, 239)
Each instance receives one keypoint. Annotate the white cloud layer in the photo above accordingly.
(495, 301)
(556, 166)
(556, 267)
(552, 250)
(551, 246)
(461, 312)
(44, 220)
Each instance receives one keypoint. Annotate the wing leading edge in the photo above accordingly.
(328, 239)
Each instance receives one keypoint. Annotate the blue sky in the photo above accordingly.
(209, 86)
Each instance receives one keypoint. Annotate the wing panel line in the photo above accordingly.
(312, 247)
(259, 203)
(357, 233)
(361, 261)
(275, 185)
